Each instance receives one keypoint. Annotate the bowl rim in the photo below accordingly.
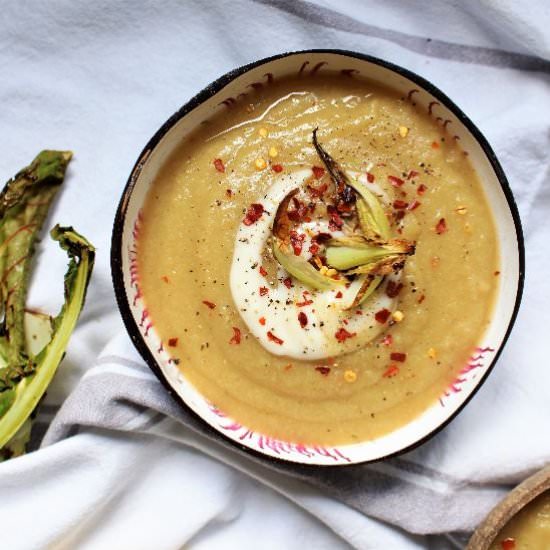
(205, 94)
(508, 507)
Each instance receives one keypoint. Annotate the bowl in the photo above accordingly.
(219, 96)
(507, 508)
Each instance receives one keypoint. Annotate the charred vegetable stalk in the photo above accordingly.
(25, 373)
(370, 253)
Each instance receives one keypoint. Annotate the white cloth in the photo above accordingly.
(99, 78)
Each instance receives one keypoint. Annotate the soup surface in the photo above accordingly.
(306, 363)
(529, 529)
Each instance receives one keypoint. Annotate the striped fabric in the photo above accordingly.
(120, 461)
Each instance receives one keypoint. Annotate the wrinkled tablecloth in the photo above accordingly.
(121, 466)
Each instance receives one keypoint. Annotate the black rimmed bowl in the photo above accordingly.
(215, 99)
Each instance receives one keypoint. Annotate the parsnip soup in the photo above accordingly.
(321, 260)
(529, 529)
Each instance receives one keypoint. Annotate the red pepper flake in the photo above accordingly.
(393, 289)
(306, 302)
(228, 193)
(253, 214)
(263, 291)
(339, 294)
(173, 342)
(323, 370)
(397, 356)
(400, 205)
(391, 371)
(261, 320)
(496, 273)
(358, 312)
(208, 304)
(412, 174)
(421, 299)
(288, 367)
(342, 334)
(277, 168)
(331, 360)
(383, 315)
(413, 205)
(421, 189)
(236, 339)
(287, 282)
(274, 338)
(336, 222)
(395, 181)
(435, 145)
(318, 172)
(387, 340)
(262, 271)
(297, 241)
(165, 279)
(302, 319)
(441, 226)
(317, 192)
(218, 165)
(508, 543)
(314, 248)
(370, 177)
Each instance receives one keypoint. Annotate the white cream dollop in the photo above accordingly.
(280, 307)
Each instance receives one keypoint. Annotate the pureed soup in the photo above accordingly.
(529, 529)
(321, 260)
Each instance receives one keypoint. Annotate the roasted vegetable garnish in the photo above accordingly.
(370, 254)
(301, 269)
(25, 373)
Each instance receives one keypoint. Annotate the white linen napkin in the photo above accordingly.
(122, 466)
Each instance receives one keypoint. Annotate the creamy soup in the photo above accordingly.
(529, 529)
(321, 293)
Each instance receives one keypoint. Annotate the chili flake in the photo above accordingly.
(323, 370)
(413, 205)
(435, 145)
(263, 291)
(314, 248)
(339, 294)
(370, 177)
(306, 302)
(253, 214)
(400, 205)
(173, 342)
(393, 289)
(261, 320)
(318, 172)
(441, 226)
(208, 304)
(228, 193)
(421, 189)
(287, 282)
(391, 371)
(317, 192)
(274, 338)
(236, 339)
(219, 166)
(383, 315)
(397, 356)
(342, 334)
(302, 319)
(297, 241)
(412, 174)
(395, 181)
(387, 340)
(277, 168)
(508, 543)
(165, 279)
(263, 271)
